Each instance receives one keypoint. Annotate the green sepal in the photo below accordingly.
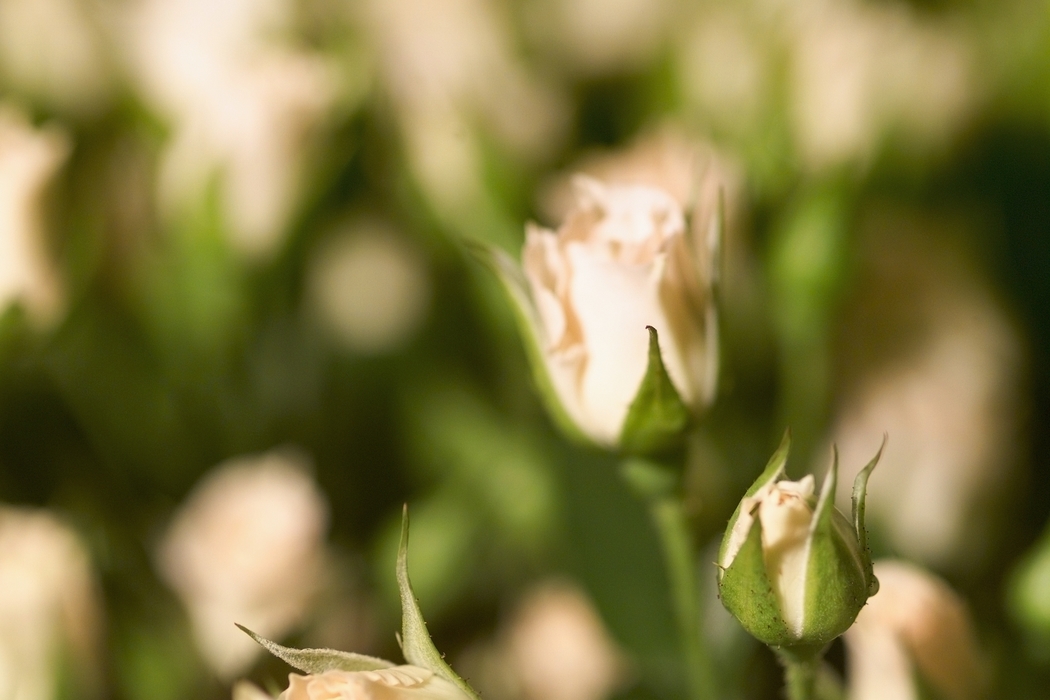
(416, 644)
(657, 418)
(747, 593)
(860, 494)
(516, 286)
(773, 471)
(836, 584)
(319, 660)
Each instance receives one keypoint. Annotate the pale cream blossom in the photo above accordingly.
(243, 106)
(396, 683)
(450, 67)
(30, 157)
(595, 37)
(553, 646)
(369, 287)
(860, 70)
(785, 511)
(50, 611)
(916, 625)
(247, 547)
(855, 73)
(54, 50)
(621, 261)
(947, 399)
(559, 649)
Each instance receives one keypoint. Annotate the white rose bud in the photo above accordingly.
(793, 570)
(916, 627)
(397, 683)
(623, 261)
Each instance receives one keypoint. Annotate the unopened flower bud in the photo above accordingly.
(793, 570)
(624, 261)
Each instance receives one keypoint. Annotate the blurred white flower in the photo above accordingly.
(29, 160)
(52, 50)
(49, 606)
(853, 73)
(554, 646)
(948, 399)
(726, 69)
(859, 70)
(449, 66)
(370, 287)
(243, 107)
(247, 546)
(395, 683)
(915, 626)
(596, 37)
(621, 261)
(559, 648)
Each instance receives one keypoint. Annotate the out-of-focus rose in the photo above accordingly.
(915, 624)
(49, 605)
(559, 649)
(554, 646)
(370, 287)
(243, 106)
(594, 37)
(860, 69)
(247, 546)
(450, 68)
(52, 50)
(397, 683)
(934, 360)
(29, 159)
(621, 261)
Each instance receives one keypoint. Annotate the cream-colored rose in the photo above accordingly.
(786, 512)
(621, 261)
(914, 624)
(50, 610)
(244, 102)
(397, 683)
(29, 160)
(247, 546)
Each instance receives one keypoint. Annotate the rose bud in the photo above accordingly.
(622, 262)
(792, 569)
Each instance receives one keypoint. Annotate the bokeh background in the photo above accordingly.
(239, 327)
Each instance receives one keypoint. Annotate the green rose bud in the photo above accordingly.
(792, 569)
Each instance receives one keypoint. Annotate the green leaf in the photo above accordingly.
(746, 592)
(860, 494)
(773, 471)
(512, 278)
(319, 660)
(416, 644)
(657, 418)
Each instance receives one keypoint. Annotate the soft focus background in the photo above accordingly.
(239, 329)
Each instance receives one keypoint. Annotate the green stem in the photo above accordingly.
(659, 488)
(800, 675)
